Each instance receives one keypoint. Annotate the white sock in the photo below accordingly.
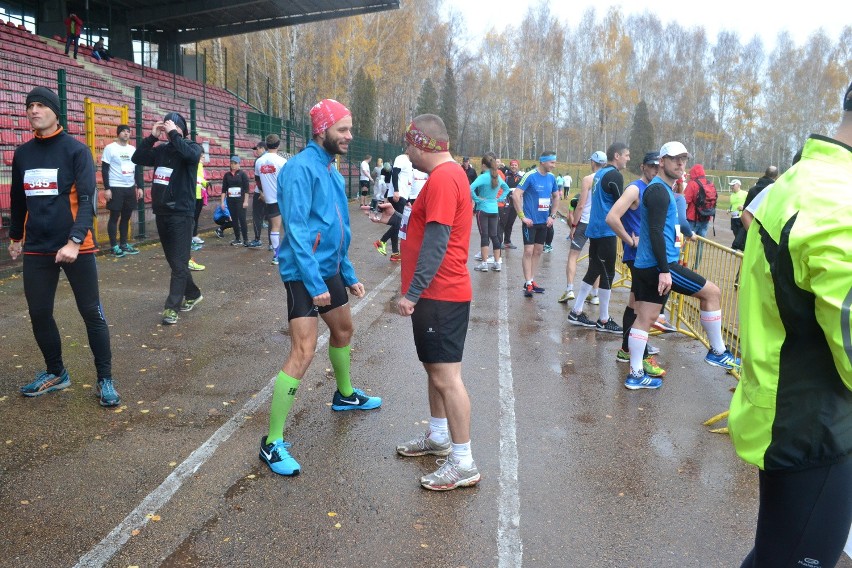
(604, 306)
(581, 297)
(462, 455)
(439, 431)
(274, 240)
(636, 342)
(595, 291)
(569, 288)
(712, 324)
(527, 283)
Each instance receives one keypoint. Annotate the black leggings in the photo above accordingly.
(551, 232)
(41, 276)
(238, 217)
(602, 253)
(176, 237)
(507, 220)
(488, 231)
(119, 221)
(199, 205)
(257, 207)
(804, 517)
(392, 233)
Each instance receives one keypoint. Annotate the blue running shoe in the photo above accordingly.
(106, 392)
(358, 401)
(46, 382)
(726, 359)
(278, 458)
(643, 382)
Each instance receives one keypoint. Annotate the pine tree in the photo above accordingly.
(427, 101)
(448, 111)
(364, 105)
(641, 136)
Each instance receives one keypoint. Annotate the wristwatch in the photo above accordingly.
(76, 240)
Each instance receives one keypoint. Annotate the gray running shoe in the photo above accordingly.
(449, 476)
(609, 326)
(423, 445)
(580, 319)
(481, 267)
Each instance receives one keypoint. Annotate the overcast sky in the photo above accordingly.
(748, 18)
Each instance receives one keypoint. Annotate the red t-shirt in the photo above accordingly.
(445, 199)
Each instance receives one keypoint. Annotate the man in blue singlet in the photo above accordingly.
(656, 272)
(607, 187)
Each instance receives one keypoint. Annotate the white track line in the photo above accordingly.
(510, 549)
(112, 543)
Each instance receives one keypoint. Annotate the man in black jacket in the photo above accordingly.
(173, 204)
(53, 187)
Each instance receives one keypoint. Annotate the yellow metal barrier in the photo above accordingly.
(101, 121)
(720, 265)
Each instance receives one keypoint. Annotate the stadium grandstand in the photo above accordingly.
(97, 95)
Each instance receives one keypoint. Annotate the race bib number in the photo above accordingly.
(235, 191)
(678, 237)
(403, 226)
(544, 204)
(162, 175)
(41, 182)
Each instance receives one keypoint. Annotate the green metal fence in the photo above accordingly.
(228, 126)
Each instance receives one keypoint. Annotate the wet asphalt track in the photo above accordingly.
(603, 476)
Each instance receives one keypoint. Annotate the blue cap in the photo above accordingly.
(598, 157)
(235, 159)
(652, 158)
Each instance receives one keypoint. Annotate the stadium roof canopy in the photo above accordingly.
(186, 21)
(198, 20)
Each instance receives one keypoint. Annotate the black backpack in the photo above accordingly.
(705, 201)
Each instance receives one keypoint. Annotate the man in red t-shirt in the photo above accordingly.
(436, 289)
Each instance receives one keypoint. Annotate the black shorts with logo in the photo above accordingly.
(300, 303)
(440, 329)
(535, 235)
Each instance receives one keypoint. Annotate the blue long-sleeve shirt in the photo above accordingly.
(484, 196)
(315, 212)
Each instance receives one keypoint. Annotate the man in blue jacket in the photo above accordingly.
(316, 271)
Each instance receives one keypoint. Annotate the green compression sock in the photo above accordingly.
(282, 399)
(341, 362)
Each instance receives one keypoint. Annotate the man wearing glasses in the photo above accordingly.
(656, 272)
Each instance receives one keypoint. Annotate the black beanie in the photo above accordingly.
(46, 97)
(179, 121)
(847, 99)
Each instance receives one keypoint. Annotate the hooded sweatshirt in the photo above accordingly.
(175, 169)
(691, 191)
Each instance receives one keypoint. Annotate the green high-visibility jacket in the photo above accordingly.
(793, 406)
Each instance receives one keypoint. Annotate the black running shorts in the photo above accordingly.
(440, 329)
(300, 303)
(271, 210)
(122, 197)
(646, 282)
(535, 235)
